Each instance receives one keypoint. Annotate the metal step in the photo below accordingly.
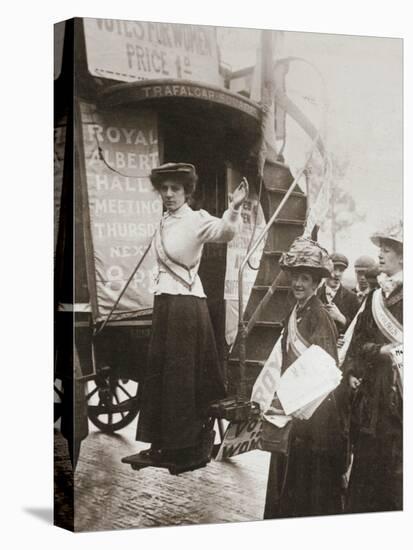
(264, 288)
(273, 324)
(276, 309)
(252, 370)
(251, 364)
(269, 268)
(277, 175)
(292, 212)
(273, 253)
(289, 221)
(283, 233)
(260, 341)
(282, 191)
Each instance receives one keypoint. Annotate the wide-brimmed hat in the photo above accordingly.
(339, 259)
(161, 173)
(392, 230)
(307, 254)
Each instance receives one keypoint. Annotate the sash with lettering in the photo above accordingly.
(295, 340)
(389, 326)
(182, 273)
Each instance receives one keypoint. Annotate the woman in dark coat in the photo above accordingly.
(183, 372)
(307, 482)
(376, 480)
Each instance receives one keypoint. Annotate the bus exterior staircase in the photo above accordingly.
(270, 301)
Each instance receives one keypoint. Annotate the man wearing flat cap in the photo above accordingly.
(340, 303)
(362, 265)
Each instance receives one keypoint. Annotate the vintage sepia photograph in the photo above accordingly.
(228, 274)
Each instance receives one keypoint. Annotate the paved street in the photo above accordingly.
(110, 495)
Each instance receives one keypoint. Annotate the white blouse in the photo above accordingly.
(185, 231)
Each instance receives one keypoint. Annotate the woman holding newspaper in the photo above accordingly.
(373, 368)
(306, 480)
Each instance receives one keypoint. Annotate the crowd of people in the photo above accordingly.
(348, 455)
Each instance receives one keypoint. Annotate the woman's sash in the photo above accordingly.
(392, 330)
(295, 340)
(185, 275)
(389, 326)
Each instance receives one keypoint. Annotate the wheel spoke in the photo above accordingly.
(116, 404)
(115, 393)
(92, 393)
(124, 391)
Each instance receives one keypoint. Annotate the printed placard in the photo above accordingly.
(121, 148)
(140, 50)
(240, 437)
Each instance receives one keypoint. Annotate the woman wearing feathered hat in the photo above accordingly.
(183, 371)
(310, 477)
(373, 368)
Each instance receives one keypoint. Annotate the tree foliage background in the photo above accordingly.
(342, 212)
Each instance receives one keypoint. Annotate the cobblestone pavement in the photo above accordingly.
(110, 495)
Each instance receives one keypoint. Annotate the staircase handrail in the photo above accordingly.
(283, 101)
(242, 326)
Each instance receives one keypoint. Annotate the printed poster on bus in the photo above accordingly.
(121, 148)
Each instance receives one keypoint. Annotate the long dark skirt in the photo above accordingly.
(308, 482)
(376, 481)
(311, 486)
(183, 374)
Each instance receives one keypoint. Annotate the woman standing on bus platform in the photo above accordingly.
(308, 481)
(372, 370)
(183, 373)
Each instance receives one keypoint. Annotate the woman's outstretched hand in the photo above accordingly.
(240, 194)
